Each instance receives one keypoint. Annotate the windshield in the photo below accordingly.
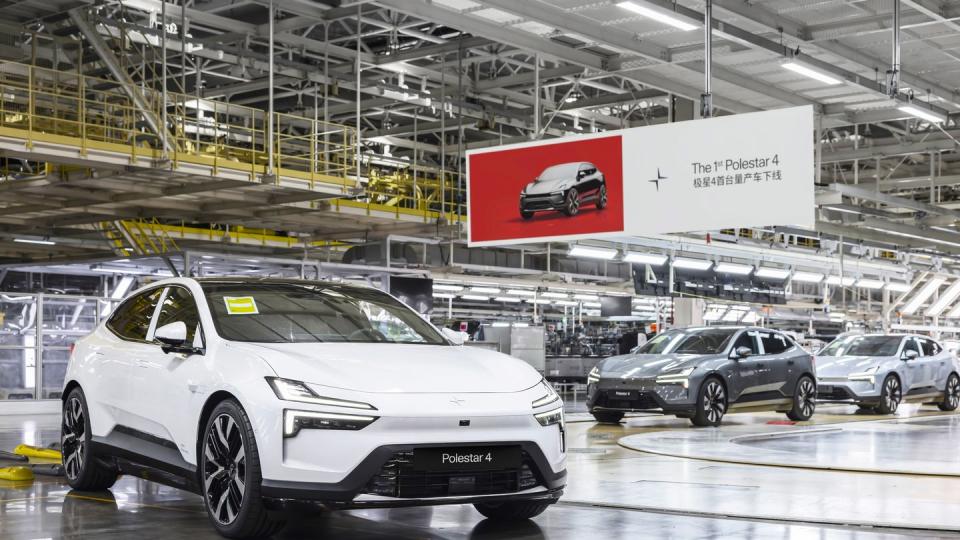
(707, 341)
(863, 346)
(564, 171)
(313, 312)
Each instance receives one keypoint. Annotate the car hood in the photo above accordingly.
(841, 366)
(398, 368)
(650, 365)
(547, 186)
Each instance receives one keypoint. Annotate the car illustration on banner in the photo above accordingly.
(703, 373)
(878, 372)
(258, 393)
(564, 187)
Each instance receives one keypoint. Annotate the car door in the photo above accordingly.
(746, 370)
(588, 179)
(777, 352)
(932, 362)
(912, 369)
(125, 343)
(167, 383)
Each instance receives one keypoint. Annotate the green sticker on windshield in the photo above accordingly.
(240, 305)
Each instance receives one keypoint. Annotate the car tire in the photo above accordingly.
(804, 400)
(511, 510)
(711, 403)
(571, 202)
(951, 394)
(84, 469)
(608, 417)
(230, 475)
(890, 395)
(602, 197)
(526, 215)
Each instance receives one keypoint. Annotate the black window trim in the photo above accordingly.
(152, 316)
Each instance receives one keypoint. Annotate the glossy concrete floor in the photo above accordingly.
(613, 493)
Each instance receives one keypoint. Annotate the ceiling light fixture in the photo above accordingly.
(807, 277)
(899, 287)
(772, 273)
(732, 268)
(658, 16)
(837, 280)
(475, 297)
(521, 292)
(554, 295)
(692, 264)
(923, 114)
(811, 73)
(442, 287)
(592, 252)
(945, 299)
(925, 293)
(874, 284)
(653, 259)
(32, 241)
(954, 313)
(484, 290)
(508, 299)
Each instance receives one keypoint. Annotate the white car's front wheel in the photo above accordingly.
(230, 475)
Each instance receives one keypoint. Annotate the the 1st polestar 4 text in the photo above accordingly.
(564, 187)
(256, 393)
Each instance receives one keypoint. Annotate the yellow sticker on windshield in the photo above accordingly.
(240, 305)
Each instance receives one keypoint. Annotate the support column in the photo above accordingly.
(706, 99)
(268, 177)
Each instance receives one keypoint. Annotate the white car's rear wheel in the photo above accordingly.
(230, 475)
(951, 394)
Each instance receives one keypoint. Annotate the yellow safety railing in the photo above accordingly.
(64, 107)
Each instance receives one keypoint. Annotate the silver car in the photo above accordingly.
(564, 187)
(702, 373)
(878, 372)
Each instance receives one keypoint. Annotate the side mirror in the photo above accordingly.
(742, 352)
(173, 338)
(910, 355)
(452, 336)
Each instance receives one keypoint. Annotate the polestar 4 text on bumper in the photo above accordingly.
(256, 393)
(878, 372)
(704, 373)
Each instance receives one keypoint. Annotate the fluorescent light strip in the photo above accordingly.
(442, 295)
(772, 273)
(508, 299)
(692, 264)
(898, 287)
(592, 252)
(731, 268)
(653, 259)
(484, 290)
(588, 297)
(549, 294)
(807, 277)
(475, 297)
(923, 114)
(926, 292)
(31, 241)
(945, 299)
(521, 292)
(442, 287)
(864, 283)
(811, 73)
(836, 280)
(658, 16)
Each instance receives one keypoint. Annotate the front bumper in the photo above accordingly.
(534, 203)
(837, 390)
(639, 395)
(378, 481)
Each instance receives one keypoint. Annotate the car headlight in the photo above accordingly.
(294, 421)
(289, 390)
(550, 396)
(676, 377)
(868, 375)
(594, 376)
(550, 418)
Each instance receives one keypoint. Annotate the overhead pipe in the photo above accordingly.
(268, 177)
(706, 99)
(893, 76)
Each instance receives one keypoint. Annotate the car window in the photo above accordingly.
(930, 347)
(179, 305)
(132, 319)
(862, 346)
(774, 343)
(746, 340)
(911, 345)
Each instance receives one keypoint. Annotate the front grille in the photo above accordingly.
(398, 478)
(643, 401)
(833, 392)
(539, 201)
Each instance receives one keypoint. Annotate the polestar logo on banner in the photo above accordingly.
(657, 180)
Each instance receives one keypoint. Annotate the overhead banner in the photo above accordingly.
(745, 170)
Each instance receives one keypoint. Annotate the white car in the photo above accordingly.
(254, 393)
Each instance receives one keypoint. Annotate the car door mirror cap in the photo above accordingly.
(452, 336)
(741, 352)
(909, 355)
(173, 338)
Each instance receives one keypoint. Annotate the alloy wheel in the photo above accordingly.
(715, 401)
(573, 202)
(603, 197)
(73, 438)
(806, 397)
(224, 469)
(891, 394)
(953, 392)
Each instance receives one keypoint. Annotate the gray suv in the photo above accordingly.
(703, 373)
(878, 372)
(564, 187)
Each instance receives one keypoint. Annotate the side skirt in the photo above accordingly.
(149, 457)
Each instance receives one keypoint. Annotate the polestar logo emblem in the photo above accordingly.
(657, 180)
(458, 401)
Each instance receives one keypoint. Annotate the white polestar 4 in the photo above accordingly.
(258, 393)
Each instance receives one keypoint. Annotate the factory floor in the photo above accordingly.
(651, 477)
